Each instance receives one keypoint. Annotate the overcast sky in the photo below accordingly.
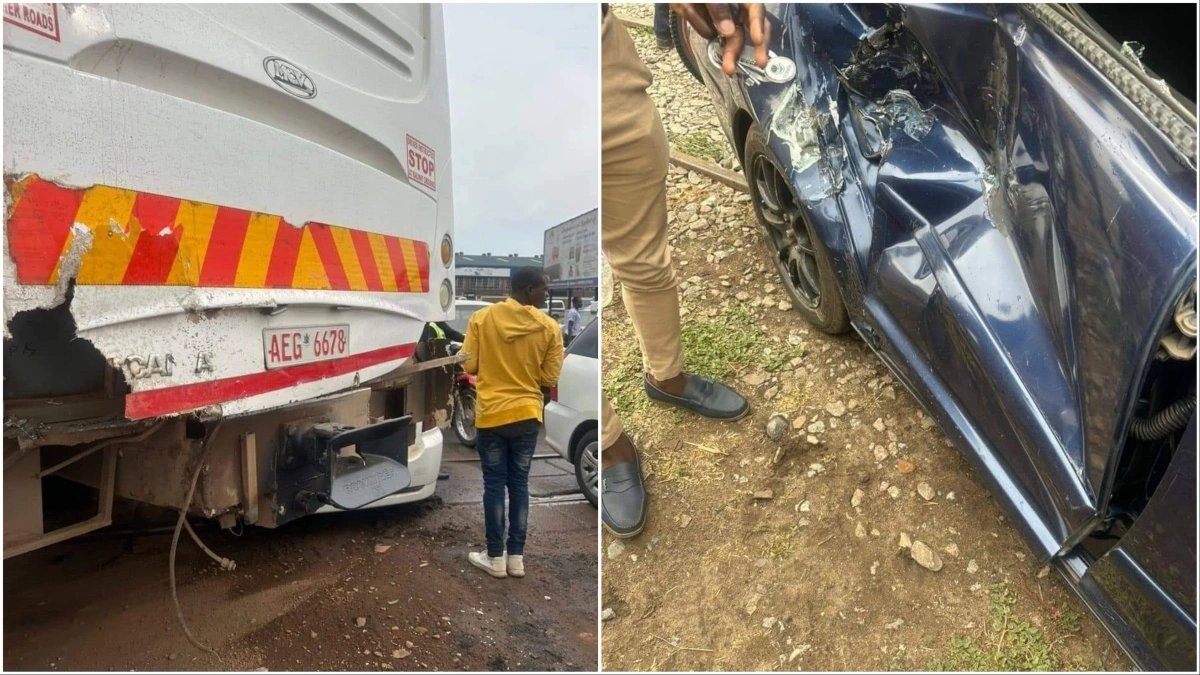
(524, 121)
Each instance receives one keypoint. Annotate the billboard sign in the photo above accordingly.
(482, 271)
(570, 252)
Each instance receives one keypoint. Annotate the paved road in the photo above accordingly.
(550, 477)
(296, 598)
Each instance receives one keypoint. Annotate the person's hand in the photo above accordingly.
(732, 22)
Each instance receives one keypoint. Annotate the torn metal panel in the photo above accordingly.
(1013, 224)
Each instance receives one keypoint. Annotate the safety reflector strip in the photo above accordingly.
(107, 236)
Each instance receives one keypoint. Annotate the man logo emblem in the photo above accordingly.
(288, 77)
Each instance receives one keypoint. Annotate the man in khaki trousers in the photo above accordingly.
(634, 237)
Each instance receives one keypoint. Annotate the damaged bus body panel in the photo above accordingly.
(1008, 204)
(226, 228)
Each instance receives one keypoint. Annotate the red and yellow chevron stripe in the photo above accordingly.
(142, 239)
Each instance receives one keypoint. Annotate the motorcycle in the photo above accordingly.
(462, 412)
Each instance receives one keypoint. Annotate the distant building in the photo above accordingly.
(486, 276)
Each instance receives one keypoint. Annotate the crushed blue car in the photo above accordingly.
(1000, 200)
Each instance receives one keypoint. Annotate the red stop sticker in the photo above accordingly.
(421, 165)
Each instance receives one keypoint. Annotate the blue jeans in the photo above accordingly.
(505, 454)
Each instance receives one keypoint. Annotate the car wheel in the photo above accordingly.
(463, 420)
(800, 257)
(587, 465)
(681, 47)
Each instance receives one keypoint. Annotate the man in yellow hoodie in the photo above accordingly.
(515, 350)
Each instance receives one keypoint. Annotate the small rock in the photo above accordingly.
(972, 567)
(798, 651)
(684, 520)
(837, 409)
(881, 453)
(382, 548)
(400, 654)
(756, 378)
(904, 466)
(952, 549)
(860, 531)
(905, 542)
(360, 621)
(817, 427)
(752, 604)
(764, 494)
(925, 491)
(878, 424)
(421, 630)
(856, 498)
(769, 622)
(784, 305)
(893, 492)
(812, 440)
(608, 614)
(1044, 572)
(172, 657)
(777, 427)
(816, 468)
(798, 423)
(950, 495)
(615, 549)
(925, 556)
(742, 296)
(771, 393)
(693, 178)
(805, 507)
(895, 624)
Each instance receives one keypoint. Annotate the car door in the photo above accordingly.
(578, 386)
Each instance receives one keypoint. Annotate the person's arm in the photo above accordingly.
(450, 332)
(572, 322)
(552, 361)
(471, 347)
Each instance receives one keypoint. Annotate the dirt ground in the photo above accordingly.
(295, 600)
(765, 555)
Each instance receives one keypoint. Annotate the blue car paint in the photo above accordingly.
(1010, 239)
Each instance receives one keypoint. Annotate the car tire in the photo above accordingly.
(587, 465)
(801, 259)
(681, 47)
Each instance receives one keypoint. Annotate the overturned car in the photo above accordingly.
(1001, 201)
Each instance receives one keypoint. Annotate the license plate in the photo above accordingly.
(284, 347)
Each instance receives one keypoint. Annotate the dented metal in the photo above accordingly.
(1011, 216)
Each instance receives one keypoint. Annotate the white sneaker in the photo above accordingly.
(493, 566)
(516, 565)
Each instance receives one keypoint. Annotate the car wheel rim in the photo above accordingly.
(791, 237)
(590, 464)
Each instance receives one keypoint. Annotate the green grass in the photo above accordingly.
(725, 345)
(697, 144)
(1011, 643)
(723, 348)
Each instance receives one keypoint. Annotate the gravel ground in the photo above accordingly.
(833, 528)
